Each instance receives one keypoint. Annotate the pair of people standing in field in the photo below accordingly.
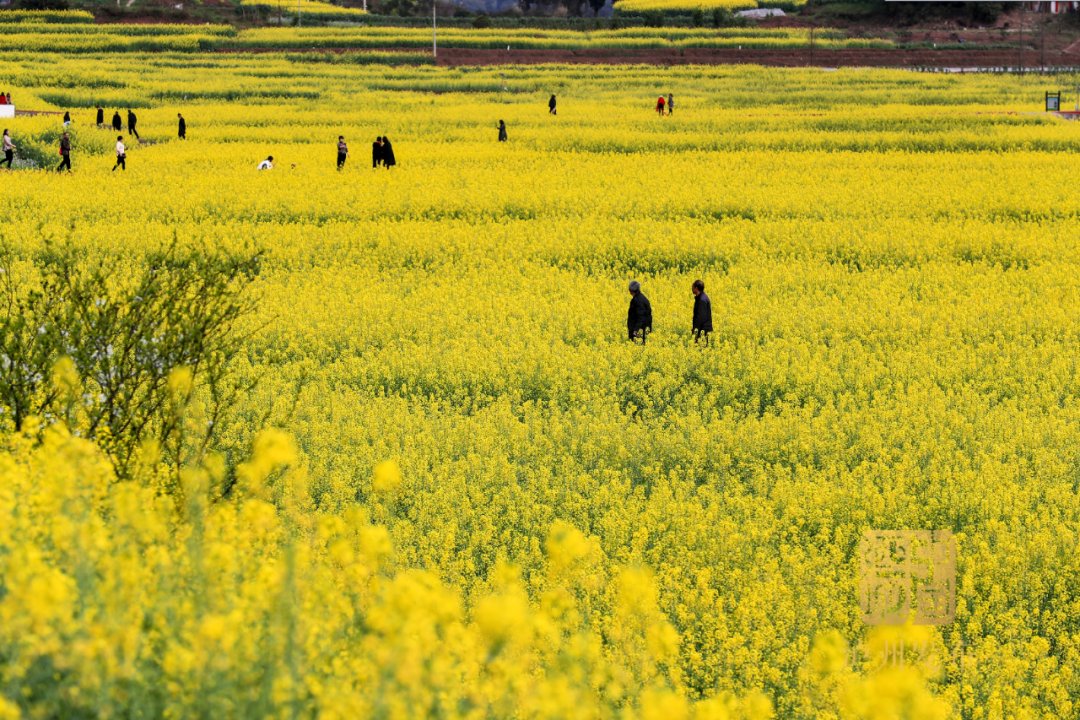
(639, 316)
(665, 106)
(382, 153)
(552, 106)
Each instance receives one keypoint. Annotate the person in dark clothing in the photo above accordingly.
(117, 125)
(132, 120)
(551, 106)
(502, 131)
(639, 316)
(376, 152)
(181, 127)
(65, 153)
(388, 158)
(67, 119)
(100, 116)
(342, 151)
(702, 312)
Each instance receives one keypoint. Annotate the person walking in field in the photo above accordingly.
(132, 120)
(551, 106)
(67, 119)
(670, 103)
(117, 125)
(100, 120)
(342, 151)
(121, 154)
(639, 316)
(502, 131)
(267, 164)
(181, 129)
(388, 158)
(377, 152)
(9, 149)
(65, 153)
(702, 313)
(660, 106)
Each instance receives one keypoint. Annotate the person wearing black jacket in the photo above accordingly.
(181, 127)
(388, 158)
(551, 106)
(117, 124)
(702, 312)
(639, 316)
(100, 116)
(376, 152)
(131, 124)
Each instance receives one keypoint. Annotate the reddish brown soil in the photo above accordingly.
(797, 57)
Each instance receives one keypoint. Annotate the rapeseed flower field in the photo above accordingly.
(85, 37)
(456, 490)
(310, 9)
(690, 5)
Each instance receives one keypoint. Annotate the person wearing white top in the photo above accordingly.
(267, 164)
(121, 154)
(9, 150)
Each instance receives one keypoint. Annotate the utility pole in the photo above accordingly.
(434, 33)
